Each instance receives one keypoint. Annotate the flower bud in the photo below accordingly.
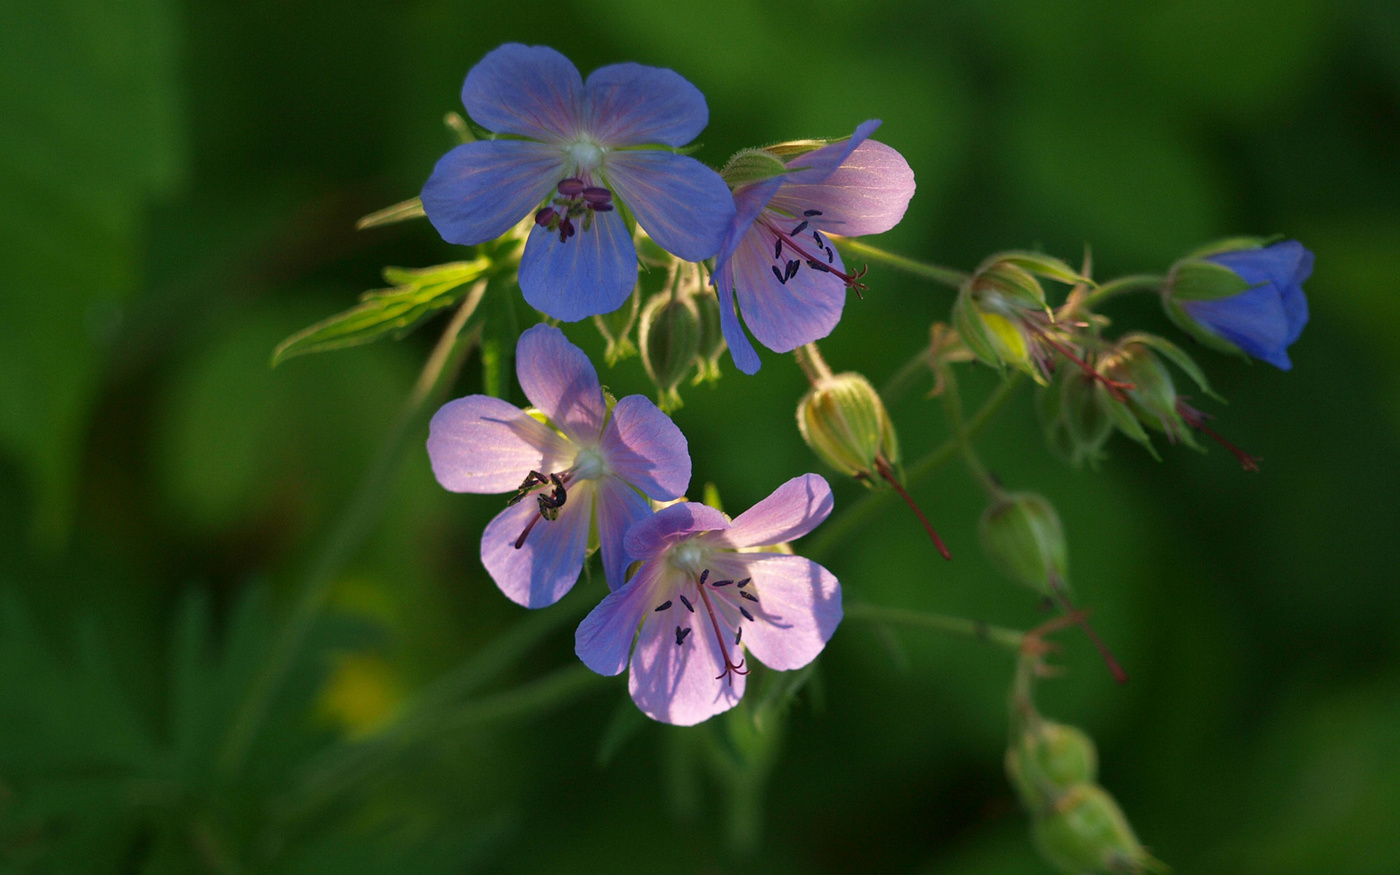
(1049, 759)
(712, 345)
(844, 421)
(752, 165)
(1242, 297)
(1074, 410)
(1001, 312)
(1022, 537)
(669, 338)
(616, 328)
(1086, 832)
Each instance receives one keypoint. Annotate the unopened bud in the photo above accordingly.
(1086, 832)
(712, 345)
(844, 421)
(751, 165)
(1022, 537)
(1074, 411)
(669, 338)
(1049, 759)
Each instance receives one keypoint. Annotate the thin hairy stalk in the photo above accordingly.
(1122, 286)
(952, 405)
(1008, 639)
(939, 274)
(841, 525)
(351, 529)
(813, 365)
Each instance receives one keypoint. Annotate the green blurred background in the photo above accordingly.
(178, 186)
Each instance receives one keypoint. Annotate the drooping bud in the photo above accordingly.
(1086, 832)
(1047, 760)
(1001, 312)
(844, 421)
(616, 329)
(669, 338)
(1074, 410)
(712, 345)
(1153, 400)
(751, 165)
(1023, 539)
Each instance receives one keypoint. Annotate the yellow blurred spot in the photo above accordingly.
(360, 695)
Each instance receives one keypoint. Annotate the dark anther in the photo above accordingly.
(545, 216)
(745, 611)
(603, 208)
(817, 236)
(743, 583)
(719, 583)
(748, 595)
(566, 230)
(550, 504)
(688, 606)
(571, 187)
(533, 479)
(817, 266)
(778, 248)
(704, 575)
(779, 274)
(663, 606)
(810, 213)
(596, 195)
(738, 633)
(830, 256)
(792, 267)
(801, 226)
(680, 635)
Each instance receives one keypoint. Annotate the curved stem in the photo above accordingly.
(813, 365)
(351, 529)
(1121, 286)
(1009, 639)
(899, 382)
(939, 274)
(952, 404)
(839, 526)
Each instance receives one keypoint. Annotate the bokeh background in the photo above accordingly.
(178, 186)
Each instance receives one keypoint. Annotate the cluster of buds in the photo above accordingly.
(679, 334)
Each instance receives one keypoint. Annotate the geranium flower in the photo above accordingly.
(789, 278)
(703, 596)
(572, 153)
(583, 463)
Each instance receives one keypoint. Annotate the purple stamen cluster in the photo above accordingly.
(576, 200)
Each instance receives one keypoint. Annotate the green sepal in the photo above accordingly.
(399, 212)
(418, 294)
(1207, 338)
(460, 127)
(1012, 282)
(1204, 281)
(1177, 356)
(973, 330)
(748, 166)
(1044, 265)
(1232, 244)
(1124, 419)
(616, 329)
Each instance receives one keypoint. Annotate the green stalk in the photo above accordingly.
(1009, 639)
(349, 533)
(1121, 286)
(945, 275)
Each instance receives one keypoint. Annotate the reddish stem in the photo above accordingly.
(1082, 621)
(883, 469)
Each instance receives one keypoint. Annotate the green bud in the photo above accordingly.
(616, 329)
(1086, 832)
(751, 165)
(1022, 537)
(1049, 759)
(1074, 411)
(844, 421)
(712, 345)
(995, 309)
(669, 338)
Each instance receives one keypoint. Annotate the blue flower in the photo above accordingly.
(573, 152)
(1266, 318)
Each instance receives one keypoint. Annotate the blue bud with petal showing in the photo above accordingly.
(1242, 297)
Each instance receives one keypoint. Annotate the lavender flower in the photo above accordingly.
(584, 463)
(777, 257)
(571, 155)
(703, 594)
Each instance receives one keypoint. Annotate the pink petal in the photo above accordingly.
(604, 638)
(798, 609)
(793, 510)
(643, 447)
(483, 444)
(619, 507)
(671, 525)
(532, 91)
(635, 105)
(784, 316)
(867, 194)
(740, 350)
(548, 564)
(560, 380)
(818, 164)
(680, 684)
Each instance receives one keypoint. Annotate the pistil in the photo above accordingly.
(820, 263)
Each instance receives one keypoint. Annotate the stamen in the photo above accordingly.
(730, 667)
(792, 267)
(566, 230)
(743, 583)
(817, 236)
(571, 187)
(745, 611)
(520, 541)
(738, 633)
(777, 248)
(704, 575)
(718, 583)
(748, 595)
(688, 606)
(681, 632)
(810, 213)
(597, 196)
(545, 216)
(852, 280)
(779, 274)
(663, 606)
(801, 226)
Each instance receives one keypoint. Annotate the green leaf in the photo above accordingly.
(417, 294)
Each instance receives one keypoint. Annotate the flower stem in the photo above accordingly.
(883, 469)
(837, 528)
(902, 379)
(952, 405)
(354, 525)
(939, 274)
(1008, 639)
(1121, 286)
(810, 359)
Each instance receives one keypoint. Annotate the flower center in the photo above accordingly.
(720, 600)
(792, 249)
(576, 200)
(586, 154)
(589, 464)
